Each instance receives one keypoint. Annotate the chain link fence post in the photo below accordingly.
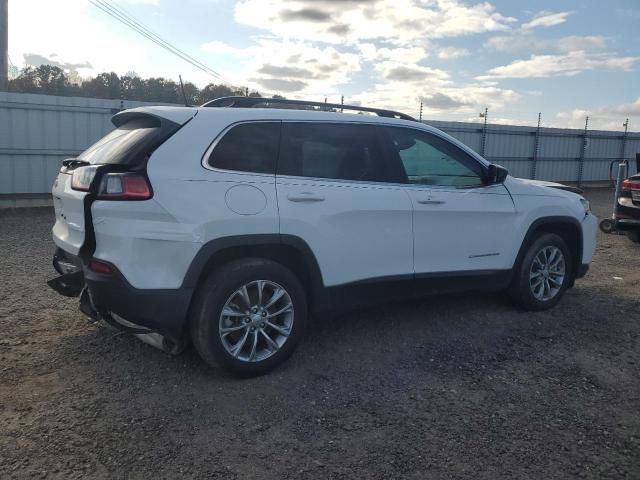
(583, 153)
(483, 148)
(623, 147)
(536, 149)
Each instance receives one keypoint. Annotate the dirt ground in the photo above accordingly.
(449, 387)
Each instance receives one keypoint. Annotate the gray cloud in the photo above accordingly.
(36, 60)
(280, 84)
(406, 74)
(295, 72)
(442, 101)
(339, 29)
(306, 14)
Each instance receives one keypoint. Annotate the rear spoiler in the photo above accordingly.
(164, 115)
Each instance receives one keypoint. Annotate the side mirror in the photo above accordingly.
(496, 174)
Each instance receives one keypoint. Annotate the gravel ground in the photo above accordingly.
(438, 388)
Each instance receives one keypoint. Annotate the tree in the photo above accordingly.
(191, 92)
(213, 91)
(52, 80)
(45, 79)
(105, 85)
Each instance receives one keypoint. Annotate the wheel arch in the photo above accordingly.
(290, 251)
(566, 227)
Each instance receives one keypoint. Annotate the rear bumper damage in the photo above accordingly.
(110, 298)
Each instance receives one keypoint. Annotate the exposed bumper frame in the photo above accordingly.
(161, 311)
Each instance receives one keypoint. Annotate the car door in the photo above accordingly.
(460, 223)
(333, 193)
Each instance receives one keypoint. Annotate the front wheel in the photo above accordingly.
(544, 273)
(249, 316)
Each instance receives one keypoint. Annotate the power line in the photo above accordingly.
(121, 12)
(139, 28)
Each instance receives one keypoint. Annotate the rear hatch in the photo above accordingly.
(126, 149)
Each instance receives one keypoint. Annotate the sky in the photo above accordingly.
(564, 58)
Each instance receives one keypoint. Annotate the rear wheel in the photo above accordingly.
(634, 236)
(249, 316)
(544, 273)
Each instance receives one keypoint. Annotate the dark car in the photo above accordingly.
(627, 209)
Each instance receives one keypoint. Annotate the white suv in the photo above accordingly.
(227, 224)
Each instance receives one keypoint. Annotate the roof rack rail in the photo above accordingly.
(248, 102)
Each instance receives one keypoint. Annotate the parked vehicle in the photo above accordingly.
(625, 218)
(227, 225)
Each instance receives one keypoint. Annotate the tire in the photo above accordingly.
(634, 236)
(607, 225)
(525, 289)
(223, 290)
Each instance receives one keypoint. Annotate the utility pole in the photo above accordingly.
(342, 103)
(420, 111)
(4, 45)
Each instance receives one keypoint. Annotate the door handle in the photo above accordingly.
(430, 201)
(305, 197)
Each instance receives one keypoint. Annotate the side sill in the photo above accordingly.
(378, 291)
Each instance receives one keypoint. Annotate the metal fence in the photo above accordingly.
(556, 154)
(37, 132)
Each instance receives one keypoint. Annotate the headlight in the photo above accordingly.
(585, 205)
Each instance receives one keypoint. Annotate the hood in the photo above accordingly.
(522, 186)
(544, 183)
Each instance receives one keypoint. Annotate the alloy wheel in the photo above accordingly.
(256, 321)
(547, 273)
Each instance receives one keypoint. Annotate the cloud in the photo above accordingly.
(409, 73)
(36, 60)
(528, 41)
(402, 21)
(309, 14)
(407, 55)
(546, 19)
(291, 71)
(575, 42)
(280, 85)
(449, 53)
(609, 117)
(442, 101)
(289, 66)
(572, 63)
(437, 97)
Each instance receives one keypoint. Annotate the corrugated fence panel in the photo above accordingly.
(37, 132)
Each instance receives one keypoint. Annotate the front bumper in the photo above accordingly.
(161, 311)
(628, 225)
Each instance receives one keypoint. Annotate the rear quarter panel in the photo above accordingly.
(153, 242)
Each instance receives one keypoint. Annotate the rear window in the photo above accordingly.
(248, 147)
(124, 144)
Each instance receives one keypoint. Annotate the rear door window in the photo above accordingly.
(333, 151)
(248, 147)
(124, 144)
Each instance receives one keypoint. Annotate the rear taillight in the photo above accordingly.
(82, 178)
(124, 186)
(630, 184)
(100, 267)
